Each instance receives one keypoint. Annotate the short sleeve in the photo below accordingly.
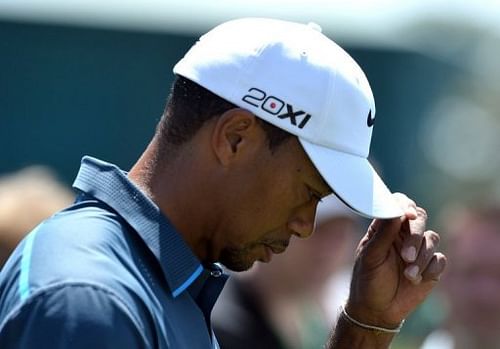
(72, 316)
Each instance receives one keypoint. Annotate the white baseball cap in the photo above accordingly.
(331, 207)
(294, 77)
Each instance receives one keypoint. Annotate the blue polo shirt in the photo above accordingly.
(108, 272)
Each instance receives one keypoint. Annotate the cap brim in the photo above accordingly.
(354, 181)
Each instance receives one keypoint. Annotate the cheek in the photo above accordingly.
(265, 195)
(268, 202)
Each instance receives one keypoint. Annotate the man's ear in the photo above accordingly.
(235, 133)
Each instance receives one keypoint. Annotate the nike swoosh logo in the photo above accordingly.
(370, 120)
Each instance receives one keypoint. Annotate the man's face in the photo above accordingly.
(275, 198)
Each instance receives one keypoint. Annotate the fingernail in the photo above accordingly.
(412, 271)
(410, 254)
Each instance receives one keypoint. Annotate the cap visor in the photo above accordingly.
(354, 181)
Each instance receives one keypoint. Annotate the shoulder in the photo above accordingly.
(83, 250)
(84, 243)
(76, 315)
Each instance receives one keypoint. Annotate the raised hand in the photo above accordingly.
(397, 265)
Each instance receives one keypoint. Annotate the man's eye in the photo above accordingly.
(314, 195)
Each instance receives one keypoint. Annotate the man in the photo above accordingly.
(264, 119)
(473, 282)
(290, 303)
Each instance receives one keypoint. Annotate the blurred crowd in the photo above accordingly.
(27, 197)
(471, 287)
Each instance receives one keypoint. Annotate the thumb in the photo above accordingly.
(382, 233)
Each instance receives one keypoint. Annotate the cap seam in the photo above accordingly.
(249, 70)
(329, 99)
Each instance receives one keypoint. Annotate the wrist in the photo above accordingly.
(348, 335)
(370, 327)
(370, 318)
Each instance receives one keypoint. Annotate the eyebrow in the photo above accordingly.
(318, 183)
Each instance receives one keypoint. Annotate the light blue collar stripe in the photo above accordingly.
(24, 287)
(188, 282)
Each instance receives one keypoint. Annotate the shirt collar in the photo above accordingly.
(107, 183)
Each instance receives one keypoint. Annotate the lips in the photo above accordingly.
(278, 248)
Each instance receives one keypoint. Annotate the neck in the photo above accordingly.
(174, 185)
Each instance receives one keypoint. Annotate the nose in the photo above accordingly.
(302, 220)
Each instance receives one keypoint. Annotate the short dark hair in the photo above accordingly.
(190, 105)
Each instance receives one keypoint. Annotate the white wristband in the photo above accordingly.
(370, 327)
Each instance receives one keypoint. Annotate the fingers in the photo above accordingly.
(383, 232)
(413, 236)
(408, 205)
(419, 249)
(380, 237)
(428, 264)
(435, 268)
(407, 237)
(416, 246)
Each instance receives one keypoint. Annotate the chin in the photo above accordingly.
(237, 265)
(236, 260)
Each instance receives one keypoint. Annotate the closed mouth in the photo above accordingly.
(277, 249)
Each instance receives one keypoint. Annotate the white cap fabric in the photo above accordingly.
(294, 77)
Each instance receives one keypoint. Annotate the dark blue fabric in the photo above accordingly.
(108, 272)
